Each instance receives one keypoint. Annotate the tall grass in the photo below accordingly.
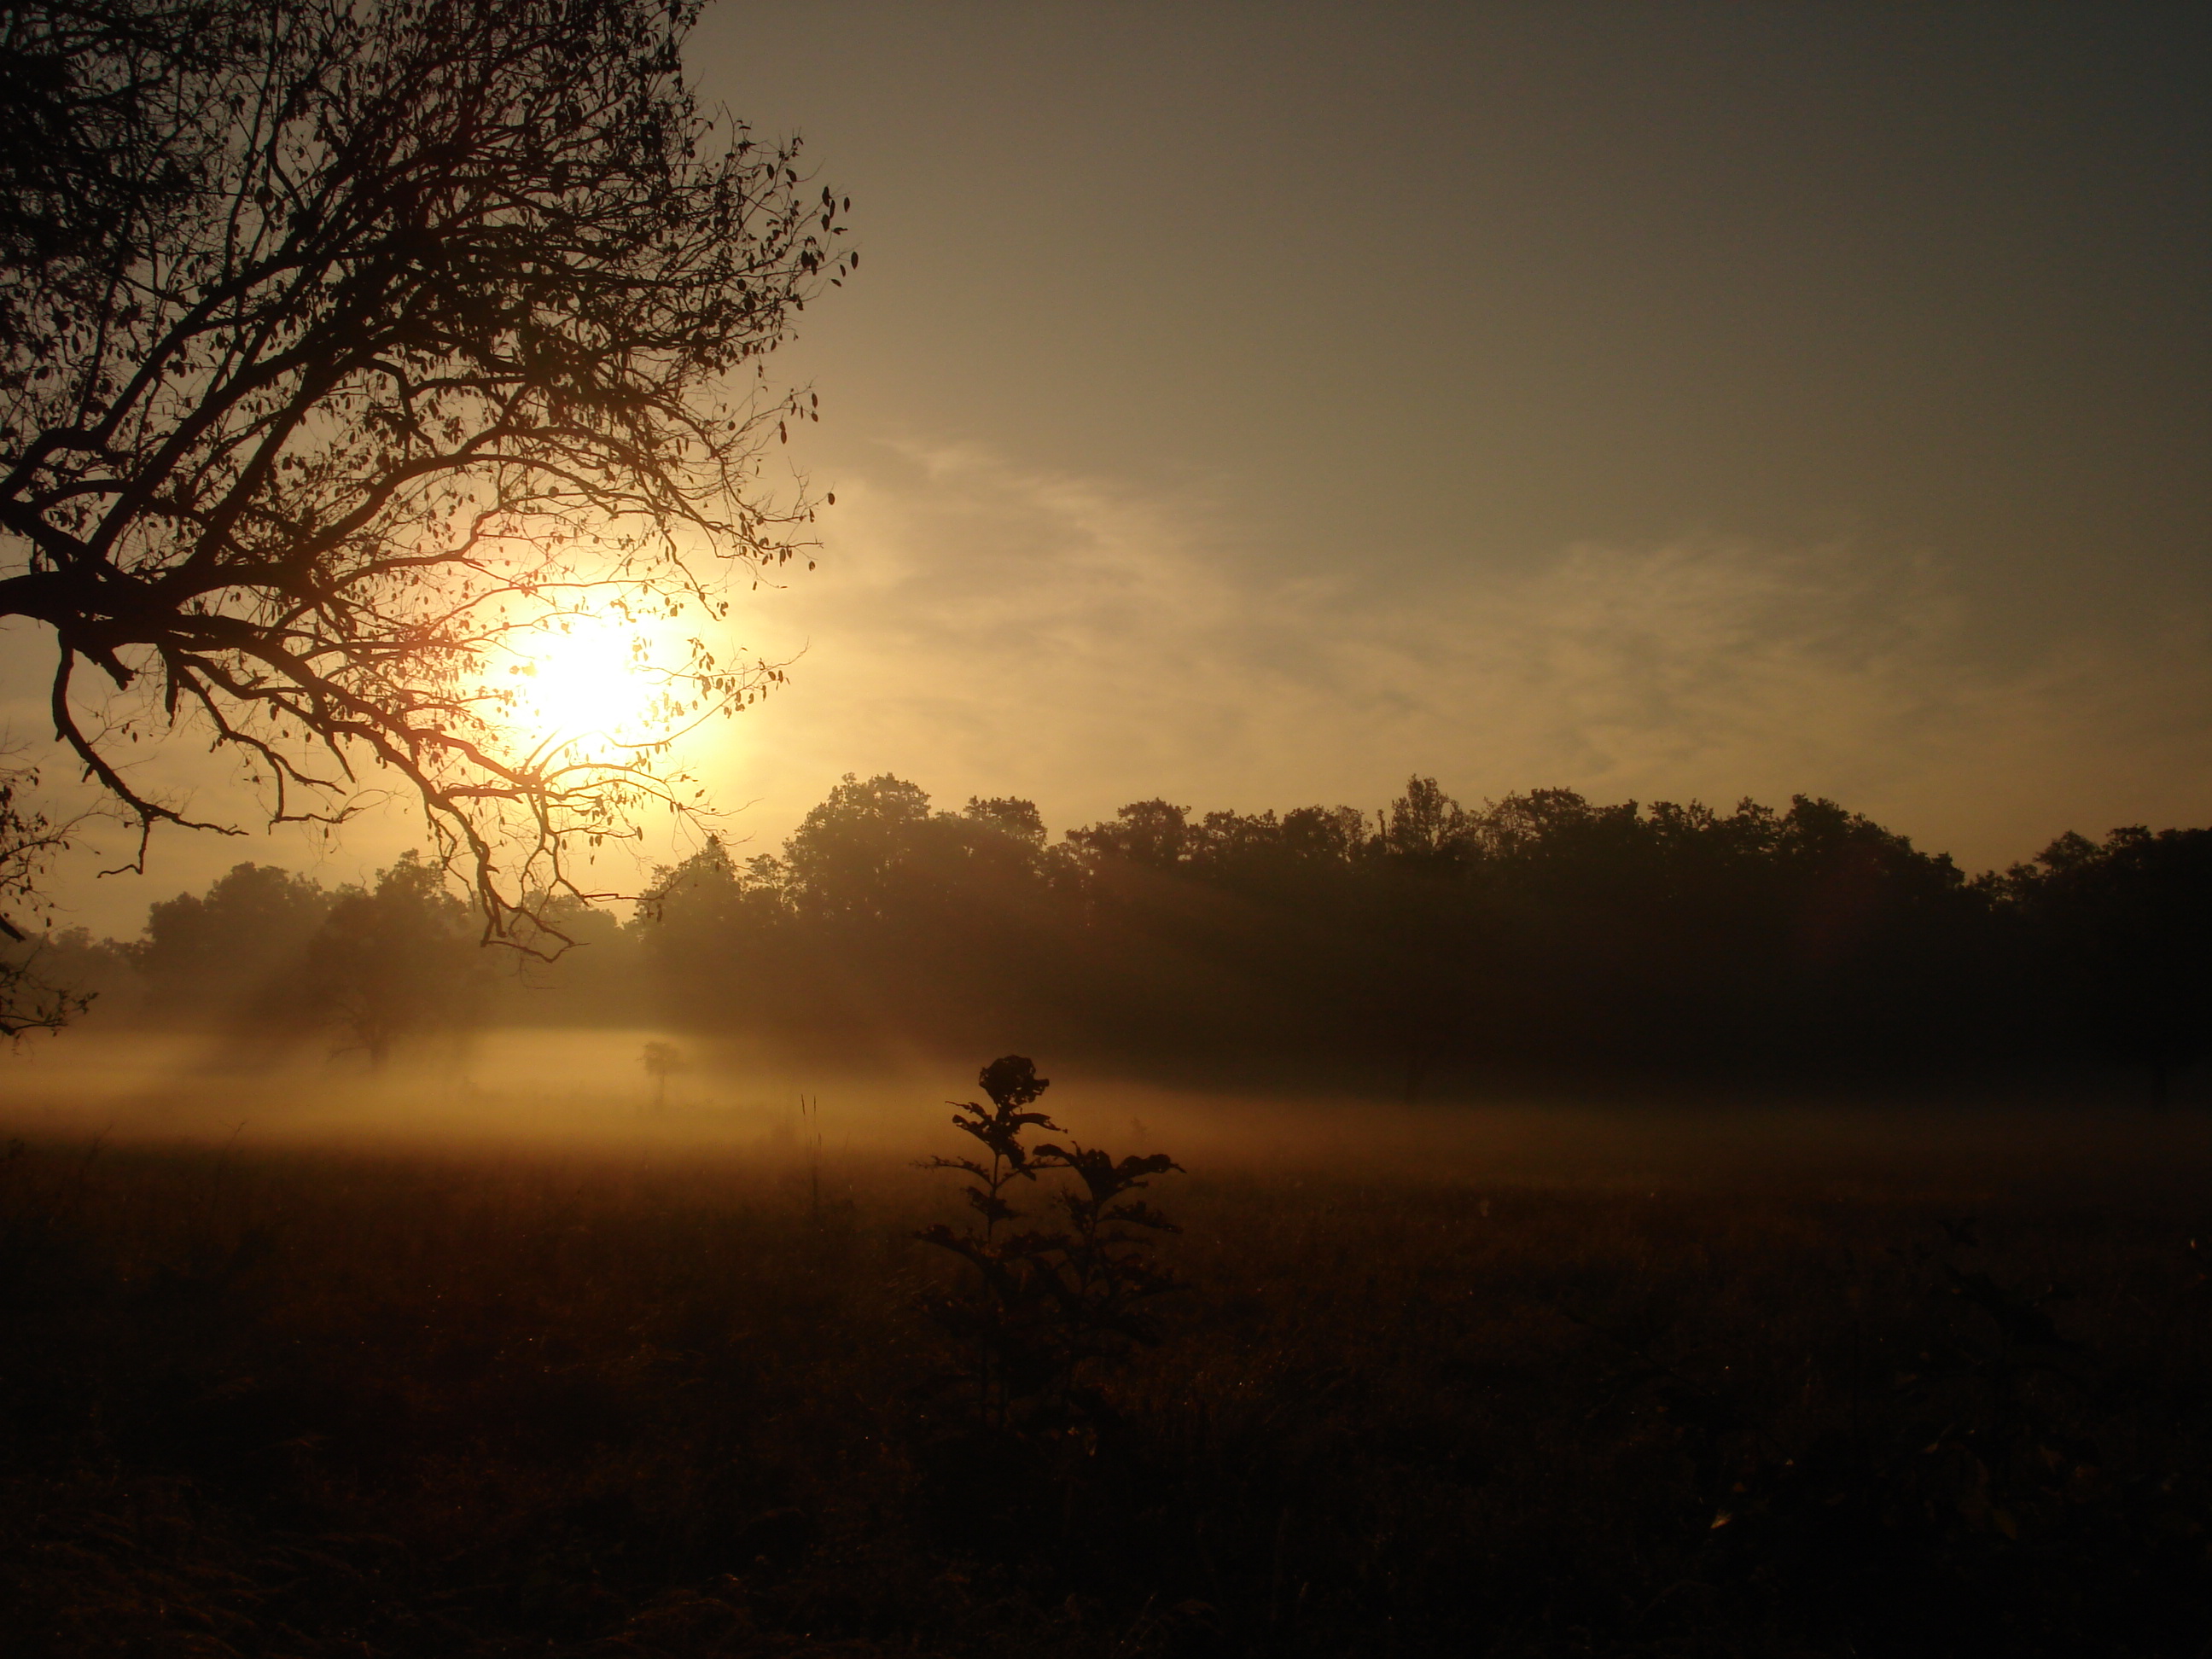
(320, 1404)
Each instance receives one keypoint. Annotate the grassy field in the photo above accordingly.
(320, 1401)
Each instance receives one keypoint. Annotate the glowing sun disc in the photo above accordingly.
(586, 681)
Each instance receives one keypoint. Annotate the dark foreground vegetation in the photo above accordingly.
(314, 1404)
(1538, 941)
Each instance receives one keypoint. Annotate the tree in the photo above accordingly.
(394, 961)
(1425, 823)
(349, 350)
(1016, 820)
(1155, 834)
(2117, 928)
(236, 947)
(662, 1060)
(1420, 926)
(703, 928)
(854, 855)
(30, 1000)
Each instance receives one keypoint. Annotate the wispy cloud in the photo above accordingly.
(980, 628)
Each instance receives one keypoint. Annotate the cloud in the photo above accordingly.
(981, 628)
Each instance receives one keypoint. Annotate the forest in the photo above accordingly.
(1424, 949)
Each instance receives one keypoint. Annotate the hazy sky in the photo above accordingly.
(1255, 404)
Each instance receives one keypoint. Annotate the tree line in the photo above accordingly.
(1425, 946)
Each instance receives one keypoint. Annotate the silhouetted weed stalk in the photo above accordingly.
(1045, 1301)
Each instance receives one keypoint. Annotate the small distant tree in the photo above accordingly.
(661, 1061)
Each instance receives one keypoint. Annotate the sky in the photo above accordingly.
(1257, 404)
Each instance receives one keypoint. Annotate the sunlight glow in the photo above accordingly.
(584, 677)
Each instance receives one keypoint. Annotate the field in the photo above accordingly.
(1583, 1386)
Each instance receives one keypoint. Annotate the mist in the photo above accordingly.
(589, 1094)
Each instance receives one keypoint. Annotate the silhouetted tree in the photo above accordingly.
(596, 983)
(714, 935)
(1423, 940)
(238, 947)
(1016, 820)
(1425, 823)
(1155, 834)
(394, 961)
(862, 848)
(101, 974)
(2120, 928)
(34, 994)
(344, 349)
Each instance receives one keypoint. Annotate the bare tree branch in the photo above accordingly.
(348, 348)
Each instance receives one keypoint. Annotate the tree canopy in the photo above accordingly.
(1542, 937)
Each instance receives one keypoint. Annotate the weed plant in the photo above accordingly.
(1046, 1302)
(312, 1404)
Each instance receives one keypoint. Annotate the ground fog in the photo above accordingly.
(531, 1348)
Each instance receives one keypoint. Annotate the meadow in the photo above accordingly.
(1560, 1390)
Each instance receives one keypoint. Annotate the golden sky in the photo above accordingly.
(1254, 405)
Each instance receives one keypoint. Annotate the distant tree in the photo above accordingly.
(1419, 934)
(854, 853)
(708, 881)
(880, 920)
(2120, 929)
(1016, 819)
(598, 983)
(1153, 834)
(237, 947)
(1323, 835)
(919, 923)
(35, 994)
(346, 348)
(1000, 864)
(661, 1061)
(1537, 938)
(103, 973)
(1857, 877)
(395, 961)
(718, 940)
(1425, 823)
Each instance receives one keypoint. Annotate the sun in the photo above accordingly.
(585, 677)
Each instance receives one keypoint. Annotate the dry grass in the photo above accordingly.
(318, 1403)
